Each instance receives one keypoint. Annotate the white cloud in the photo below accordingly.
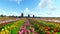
(45, 3)
(53, 8)
(17, 1)
(0, 9)
(46, 8)
(26, 11)
(13, 13)
(2, 12)
(8, 13)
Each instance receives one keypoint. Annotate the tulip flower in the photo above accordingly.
(46, 29)
(53, 32)
(2, 31)
(23, 27)
(32, 29)
(6, 31)
(5, 27)
(27, 24)
(25, 31)
(19, 32)
(8, 27)
(28, 31)
(47, 32)
(36, 33)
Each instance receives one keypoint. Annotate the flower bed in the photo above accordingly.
(43, 27)
(27, 28)
(12, 28)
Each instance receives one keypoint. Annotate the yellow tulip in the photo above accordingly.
(16, 26)
(8, 27)
(11, 27)
(6, 31)
(56, 33)
(5, 28)
(2, 30)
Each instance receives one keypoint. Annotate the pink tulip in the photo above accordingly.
(23, 27)
(36, 33)
(19, 32)
(27, 24)
(32, 29)
(28, 31)
(25, 31)
(22, 31)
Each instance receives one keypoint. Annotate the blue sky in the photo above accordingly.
(43, 8)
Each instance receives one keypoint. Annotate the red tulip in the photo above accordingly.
(53, 32)
(47, 32)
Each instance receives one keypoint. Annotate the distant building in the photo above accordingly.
(28, 15)
(33, 16)
(22, 15)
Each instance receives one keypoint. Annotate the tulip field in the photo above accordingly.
(28, 26)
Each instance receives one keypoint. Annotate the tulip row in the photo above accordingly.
(51, 25)
(48, 27)
(12, 28)
(36, 26)
(6, 22)
(41, 27)
(27, 28)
